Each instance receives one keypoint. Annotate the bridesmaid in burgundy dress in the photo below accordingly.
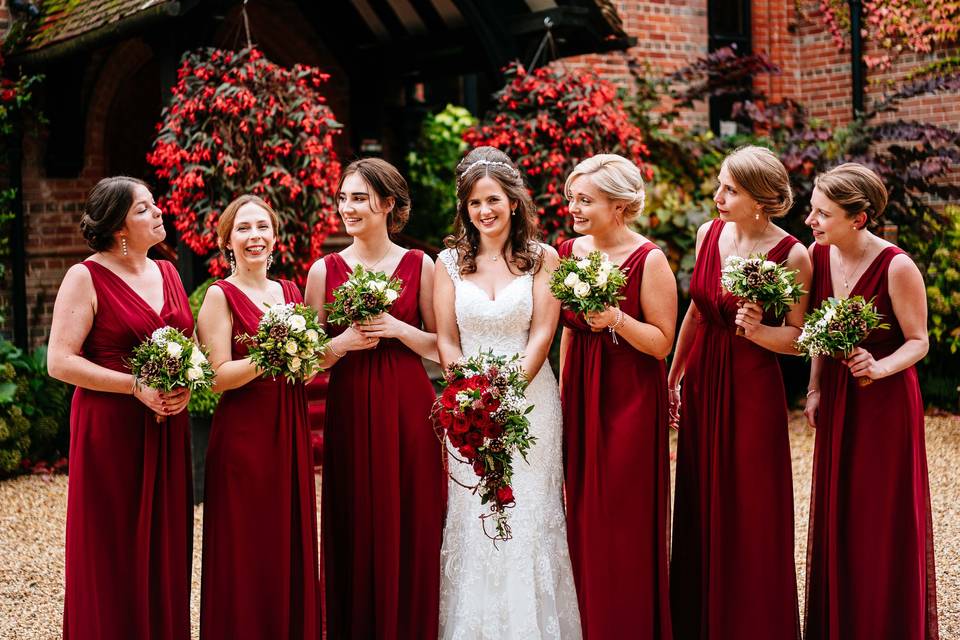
(732, 572)
(129, 509)
(870, 571)
(614, 395)
(384, 487)
(261, 576)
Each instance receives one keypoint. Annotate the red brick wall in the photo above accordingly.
(817, 74)
(4, 16)
(669, 33)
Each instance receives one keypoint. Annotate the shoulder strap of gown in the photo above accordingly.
(566, 248)
(449, 259)
(291, 292)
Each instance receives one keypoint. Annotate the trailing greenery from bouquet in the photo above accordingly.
(289, 342)
(482, 414)
(366, 294)
(591, 283)
(432, 172)
(34, 412)
(547, 121)
(765, 282)
(238, 123)
(838, 326)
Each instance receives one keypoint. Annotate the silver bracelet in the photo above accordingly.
(809, 391)
(334, 351)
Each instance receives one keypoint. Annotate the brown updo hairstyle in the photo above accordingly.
(386, 182)
(488, 162)
(855, 188)
(107, 206)
(225, 223)
(761, 174)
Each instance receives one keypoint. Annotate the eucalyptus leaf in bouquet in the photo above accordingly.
(366, 294)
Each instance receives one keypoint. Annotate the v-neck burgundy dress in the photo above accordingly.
(261, 576)
(616, 470)
(384, 487)
(732, 573)
(870, 568)
(129, 507)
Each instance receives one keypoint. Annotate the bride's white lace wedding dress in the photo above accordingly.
(522, 588)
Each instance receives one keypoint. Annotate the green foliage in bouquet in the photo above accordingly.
(168, 360)
(289, 342)
(365, 294)
(765, 282)
(838, 326)
(592, 283)
(482, 414)
(203, 401)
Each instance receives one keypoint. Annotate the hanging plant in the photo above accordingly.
(238, 124)
(547, 121)
(896, 26)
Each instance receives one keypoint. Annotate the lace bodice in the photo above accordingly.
(522, 588)
(502, 324)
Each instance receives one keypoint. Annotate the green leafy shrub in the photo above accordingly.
(431, 166)
(203, 401)
(33, 408)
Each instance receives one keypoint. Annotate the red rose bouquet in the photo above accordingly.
(482, 414)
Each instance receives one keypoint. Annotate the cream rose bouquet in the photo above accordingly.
(168, 360)
(289, 342)
(365, 294)
(588, 284)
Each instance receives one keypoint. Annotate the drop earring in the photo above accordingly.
(123, 245)
(513, 212)
(756, 217)
(233, 263)
(269, 261)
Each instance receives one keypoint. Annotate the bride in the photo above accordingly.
(494, 295)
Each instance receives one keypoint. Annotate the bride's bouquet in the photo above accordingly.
(837, 327)
(289, 342)
(365, 294)
(588, 284)
(765, 282)
(482, 413)
(168, 359)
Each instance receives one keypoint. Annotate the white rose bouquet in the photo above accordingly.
(168, 359)
(365, 294)
(588, 284)
(289, 342)
(762, 281)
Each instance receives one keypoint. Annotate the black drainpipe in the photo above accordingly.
(856, 57)
(18, 243)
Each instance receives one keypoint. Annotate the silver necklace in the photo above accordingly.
(843, 270)
(374, 265)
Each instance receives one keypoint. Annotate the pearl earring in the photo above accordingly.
(513, 212)
(123, 245)
(756, 216)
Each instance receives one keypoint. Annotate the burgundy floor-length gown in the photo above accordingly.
(616, 467)
(261, 575)
(129, 507)
(870, 569)
(732, 573)
(384, 488)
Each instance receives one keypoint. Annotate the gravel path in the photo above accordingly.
(33, 509)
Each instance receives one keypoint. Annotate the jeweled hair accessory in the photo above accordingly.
(494, 163)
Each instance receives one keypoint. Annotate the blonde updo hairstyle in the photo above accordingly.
(616, 177)
(761, 174)
(854, 188)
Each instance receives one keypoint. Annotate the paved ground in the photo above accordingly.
(32, 512)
